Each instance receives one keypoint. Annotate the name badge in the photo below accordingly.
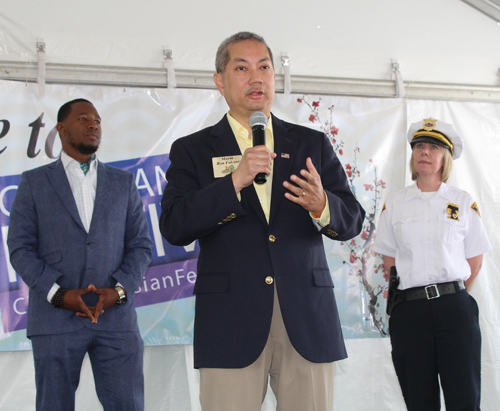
(225, 165)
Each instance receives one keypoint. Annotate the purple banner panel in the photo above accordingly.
(14, 306)
(167, 282)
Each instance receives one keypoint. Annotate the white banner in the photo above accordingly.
(139, 126)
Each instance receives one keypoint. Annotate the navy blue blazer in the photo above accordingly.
(48, 244)
(239, 249)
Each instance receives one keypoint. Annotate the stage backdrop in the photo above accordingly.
(139, 126)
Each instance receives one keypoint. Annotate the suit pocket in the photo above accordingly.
(212, 283)
(322, 277)
(52, 258)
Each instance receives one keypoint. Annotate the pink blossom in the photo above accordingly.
(341, 152)
(315, 104)
(364, 235)
(386, 293)
(312, 118)
(368, 187)
(299, 100)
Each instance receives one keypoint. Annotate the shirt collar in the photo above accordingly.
(241, 132)
(414, 192)
(67, 161)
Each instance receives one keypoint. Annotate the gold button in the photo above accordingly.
(233, 215)
(269, 280)
(272, 238)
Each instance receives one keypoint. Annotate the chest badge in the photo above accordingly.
(452, 211)
(225, 165)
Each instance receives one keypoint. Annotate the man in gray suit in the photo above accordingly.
(79, 239)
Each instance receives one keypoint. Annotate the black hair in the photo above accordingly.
(65, 109)
(222, 56)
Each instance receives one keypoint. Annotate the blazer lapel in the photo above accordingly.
(103, 194)
(224, 143)
(284, 146)
(57, 177)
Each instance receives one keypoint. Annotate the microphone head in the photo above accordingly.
(258, 119)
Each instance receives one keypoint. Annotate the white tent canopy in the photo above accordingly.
(448, 43)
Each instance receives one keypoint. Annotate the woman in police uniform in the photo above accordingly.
(434, 235)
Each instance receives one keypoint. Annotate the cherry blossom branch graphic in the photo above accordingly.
(361, 256)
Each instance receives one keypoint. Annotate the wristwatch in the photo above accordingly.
(122, 296)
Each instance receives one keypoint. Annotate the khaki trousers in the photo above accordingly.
(298, 384)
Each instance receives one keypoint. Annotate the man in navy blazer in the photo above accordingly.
(264, 294)
(79, 239)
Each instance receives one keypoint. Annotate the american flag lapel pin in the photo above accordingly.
(285, 155)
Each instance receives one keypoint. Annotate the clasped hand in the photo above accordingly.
(73, 301)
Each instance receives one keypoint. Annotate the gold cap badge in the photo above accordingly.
(429, 124)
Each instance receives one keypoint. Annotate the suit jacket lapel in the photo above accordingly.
(57, 177)
(224, 143)
(284, 146)
(103, 195)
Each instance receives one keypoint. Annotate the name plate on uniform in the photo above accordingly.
(225, 165)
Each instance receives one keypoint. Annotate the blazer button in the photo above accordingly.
(88, 243)
(269, 280)
(233, 215)
(272, 238)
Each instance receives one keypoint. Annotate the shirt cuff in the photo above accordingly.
(52, 291)
(324, 219)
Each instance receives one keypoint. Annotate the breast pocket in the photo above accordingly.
(451, 231)
(407, 229)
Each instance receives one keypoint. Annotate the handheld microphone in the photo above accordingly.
(258, 122)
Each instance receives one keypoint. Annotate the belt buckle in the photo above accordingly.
(432, 291)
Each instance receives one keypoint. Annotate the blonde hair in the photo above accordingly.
(445, 171)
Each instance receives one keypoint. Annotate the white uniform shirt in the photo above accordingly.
(431, 239)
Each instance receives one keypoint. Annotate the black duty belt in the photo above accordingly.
(432, 291)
